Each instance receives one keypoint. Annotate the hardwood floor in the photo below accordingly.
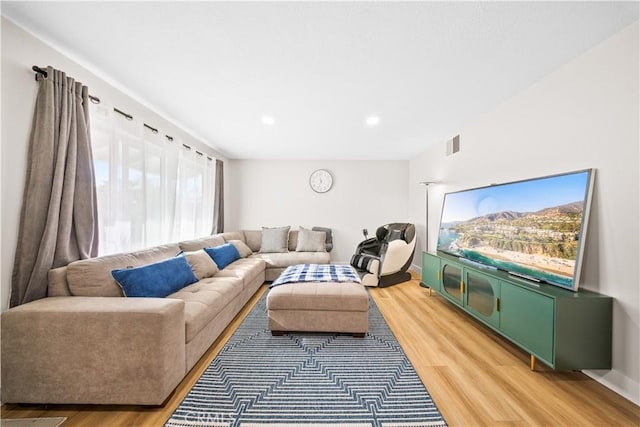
(475, 377)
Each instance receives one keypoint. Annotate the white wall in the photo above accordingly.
(584, 115)
(365, 194)
(20, 51)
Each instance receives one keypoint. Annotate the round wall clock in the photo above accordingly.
(321, 181)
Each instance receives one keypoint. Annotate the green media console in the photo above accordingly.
(564, 329)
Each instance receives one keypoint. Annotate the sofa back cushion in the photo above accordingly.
(253, 239)
(201, 243)
(92, 277)
(57, 285)
(232, 235)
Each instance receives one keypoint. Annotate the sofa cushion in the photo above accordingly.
(319, 296)
(279, 260)
(242, 248)
(311, 241)
(246, 269)
(201, 263)
(223, 255)
(232, 235)
(155, 280)
(274, 239)
(201, 243)
(205, 299)
(92, 277)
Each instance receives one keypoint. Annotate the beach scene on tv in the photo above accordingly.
(532, 228)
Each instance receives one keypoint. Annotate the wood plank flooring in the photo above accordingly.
(475, 376)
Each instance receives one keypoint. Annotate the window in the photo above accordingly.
(150, 190)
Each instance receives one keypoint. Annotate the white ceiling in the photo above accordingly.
(319, 69)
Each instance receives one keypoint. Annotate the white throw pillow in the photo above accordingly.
(311, 241)
(275, 239)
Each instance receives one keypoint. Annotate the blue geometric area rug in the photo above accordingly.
(308, 378)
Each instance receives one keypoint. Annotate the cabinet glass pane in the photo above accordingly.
(480, 295)
(451, 277)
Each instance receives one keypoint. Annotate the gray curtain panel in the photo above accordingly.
(218, 207)
(59, 218)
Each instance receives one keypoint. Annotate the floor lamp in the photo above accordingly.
(426, 221)
(426, 217)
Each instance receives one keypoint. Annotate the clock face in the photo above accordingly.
(321, 181)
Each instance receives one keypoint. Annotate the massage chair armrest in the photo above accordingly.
(396, 256)
(93, 350)
(362, 246)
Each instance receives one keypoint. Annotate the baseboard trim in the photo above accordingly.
(617, 382)
(416, 269)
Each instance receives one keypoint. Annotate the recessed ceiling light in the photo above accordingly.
(268, 120)
(372, 120)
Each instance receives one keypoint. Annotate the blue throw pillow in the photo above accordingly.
(155, 280)
(223, 255)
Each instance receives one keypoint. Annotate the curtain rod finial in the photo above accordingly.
(39, 70)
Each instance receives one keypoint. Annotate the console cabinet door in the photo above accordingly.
(431, 271)
(452, 285)
(482, 296)
(527, 317)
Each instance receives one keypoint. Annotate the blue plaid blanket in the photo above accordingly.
(317, 273)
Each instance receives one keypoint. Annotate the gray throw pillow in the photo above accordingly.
(275, 239)
(311, 241)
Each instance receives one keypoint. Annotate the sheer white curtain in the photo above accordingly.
(150, 190)
(194, 195)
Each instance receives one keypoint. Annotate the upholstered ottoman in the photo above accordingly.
(319, 307)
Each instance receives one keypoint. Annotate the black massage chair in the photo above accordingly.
(384, 260)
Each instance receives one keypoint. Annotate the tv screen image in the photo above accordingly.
(533, 228)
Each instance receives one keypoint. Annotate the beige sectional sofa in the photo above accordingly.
(87, 344)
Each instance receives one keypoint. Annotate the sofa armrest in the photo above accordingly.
(93, 350)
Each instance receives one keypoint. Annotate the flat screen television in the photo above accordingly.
(535, 228)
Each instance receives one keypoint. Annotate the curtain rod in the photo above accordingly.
(151, 128)
(96, 100)
(43, 72)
